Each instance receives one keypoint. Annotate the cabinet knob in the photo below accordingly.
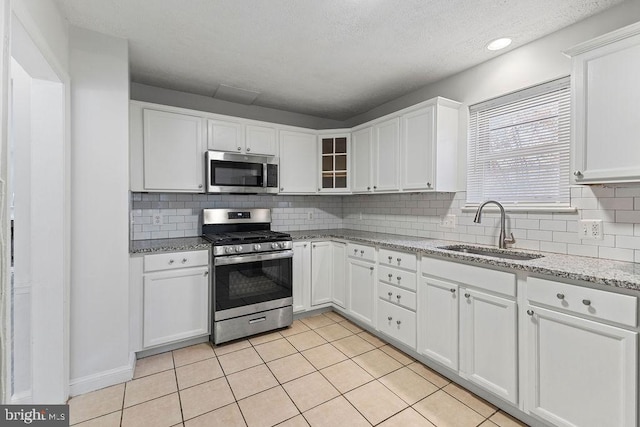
(398, 297)
(398, 322)
(281, 188)
(206, 273)
(248, 149)
(586, 302)
(428, 185)
(390, 293)
(305, 245)
(314, 246)
(389, 318)
(452, 290)
(467, 295)
(398, 278)
(577, 174)
(171, 261)
(368, 188)
(371, 268)
(355, 251)
(199, 185)
(390, 276)
(239, 148)
(560, 296)
(390, 258)
(184, 260)
(530, 312)
(399, 260)
(374, 187)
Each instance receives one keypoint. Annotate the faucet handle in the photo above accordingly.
(510, 241)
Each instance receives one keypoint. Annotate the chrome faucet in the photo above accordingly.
(503, 240)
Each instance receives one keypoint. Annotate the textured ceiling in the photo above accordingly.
(327, 58)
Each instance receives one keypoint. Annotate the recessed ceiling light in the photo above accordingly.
(498, 44)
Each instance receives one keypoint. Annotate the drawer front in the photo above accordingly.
(398, 259)
(397, 322)
(483, 278)
(590, 302)
(367, 253)
(174, 260)
(396, 295)
(396, 277)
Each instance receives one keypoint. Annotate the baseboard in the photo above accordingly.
(103, 379)
(23, 398)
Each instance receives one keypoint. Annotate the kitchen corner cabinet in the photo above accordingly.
(301, 276)
(428, 150)
(333, 156)
(581, 370)
(361, 283)
(241, 138)
(339, 282)
(175, 297)
(166, 151)
(605, 98)
(298, 163)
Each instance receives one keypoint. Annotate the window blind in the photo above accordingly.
(519, 147)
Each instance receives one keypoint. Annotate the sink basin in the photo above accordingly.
(495, 253)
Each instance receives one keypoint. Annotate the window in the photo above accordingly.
(518, 151)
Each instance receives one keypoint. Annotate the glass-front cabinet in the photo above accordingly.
(334, 163)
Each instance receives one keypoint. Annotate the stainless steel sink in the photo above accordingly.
(495, 253)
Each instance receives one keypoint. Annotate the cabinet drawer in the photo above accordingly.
(398, 259)
(397, 322)
(396, 277)
(595, 303)
(366, 253)
(483, 278)
(397, 295)
(173, 260)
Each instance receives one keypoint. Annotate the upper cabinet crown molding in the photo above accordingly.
(605, 39)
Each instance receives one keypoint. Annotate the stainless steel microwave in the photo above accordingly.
(241, 173)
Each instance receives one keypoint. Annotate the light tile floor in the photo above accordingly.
(321, 371)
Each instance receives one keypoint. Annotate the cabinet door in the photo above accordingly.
(301, 276)
(225, 136)
(298, 162)
(362, 290)
(418, 149)
(260, 140)
(175, 305)
(386, 155)
(580, 372)
(321, 272)
(361, 160)
(338, 284)
(606, 95)
(173, 154)
(438, 326)
(333, 155)
(488, 343)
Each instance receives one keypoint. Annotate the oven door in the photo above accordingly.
(247, 284)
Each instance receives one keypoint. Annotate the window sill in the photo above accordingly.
(507, 208)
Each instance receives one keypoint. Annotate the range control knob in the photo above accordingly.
(238, 248)
(274, 245)
(257, 247)
(229, 249)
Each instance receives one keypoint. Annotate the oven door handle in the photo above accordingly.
(243, 259)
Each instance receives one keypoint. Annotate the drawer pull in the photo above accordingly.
(586, 301)
(257, 320)
(390, 258)
(355, 251)
(390, 276)
(560, 296)
(371, 268)
(390, 294)
(184, 260)
(398, 322)
(206, 273)
(398, 278)
(389, 318)
(171, 261)
(399, 260)
(361, 252)
(452, 290)
(530, 312)
(467, 295)
(398, 297)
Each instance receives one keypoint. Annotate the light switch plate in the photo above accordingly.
(590, 229)
(448, 221)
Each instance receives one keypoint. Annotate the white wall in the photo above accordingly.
(99, 72)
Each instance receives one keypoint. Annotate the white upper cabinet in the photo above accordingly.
(429, 147)
(386, 153)
(333, 156)
(241, 138)
(605, 98)
(361, 160)
(172, 148)
(298, 162)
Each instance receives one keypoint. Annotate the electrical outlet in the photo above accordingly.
(158, 219)
(448, 221)
(590, 229)
(310, 215)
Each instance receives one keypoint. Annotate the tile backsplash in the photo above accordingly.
(416, 214)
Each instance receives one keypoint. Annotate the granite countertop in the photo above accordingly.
(625, 275)
(168, 245)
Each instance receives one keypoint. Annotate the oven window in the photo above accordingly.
(238, 285)
(236, 174)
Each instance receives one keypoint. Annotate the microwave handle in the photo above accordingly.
(265, 180)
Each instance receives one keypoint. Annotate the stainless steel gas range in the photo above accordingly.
(252, 273)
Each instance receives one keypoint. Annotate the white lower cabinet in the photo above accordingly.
(175, 297)
(301, 277)
(438, 319)
(339, 282)
(489, 342)
(397, 322)
(321, 272)
(361, 283)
